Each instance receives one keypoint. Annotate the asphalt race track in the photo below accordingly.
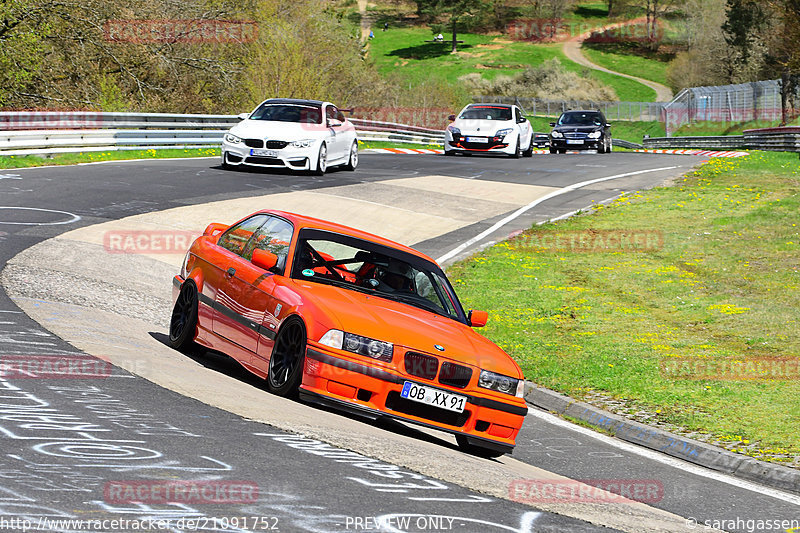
(161, 416)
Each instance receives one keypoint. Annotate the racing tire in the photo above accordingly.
(183, 322)
(225, 165)
(610, 147)
(553, 150)
(529, 151)
(517, 151)
(562, 150)
(352, 161)
(322, 161)
(449, 152)
(288, 359)
(478, 451)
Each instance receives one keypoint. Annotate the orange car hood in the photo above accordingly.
(408, 326)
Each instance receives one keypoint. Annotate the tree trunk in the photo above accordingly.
(453, 51)
(786, 88)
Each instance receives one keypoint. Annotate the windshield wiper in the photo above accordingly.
(417, 301)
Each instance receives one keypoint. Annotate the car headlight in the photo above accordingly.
(557, 134)
(357, 344)
(454, 130)
(503, 133)
(303, 143)
(501, 383)
(231, 138)
(595, 134)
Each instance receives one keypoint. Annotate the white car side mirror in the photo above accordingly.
(243, 116)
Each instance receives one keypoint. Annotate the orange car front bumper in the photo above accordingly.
(374, 392)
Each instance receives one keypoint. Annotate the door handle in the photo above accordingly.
(230, 272)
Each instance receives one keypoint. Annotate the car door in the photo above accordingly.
(274, 236)
(237, 314)
(335, 130)
(348, 133)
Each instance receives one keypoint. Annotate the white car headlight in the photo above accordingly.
(231, 138)
(595, 134)
(454, 130)
(302, 143)
(557, 134)
(503, 132)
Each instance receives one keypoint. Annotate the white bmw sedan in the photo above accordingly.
(296, 134)
(489, 128)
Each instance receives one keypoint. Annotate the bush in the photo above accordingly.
(549, 81)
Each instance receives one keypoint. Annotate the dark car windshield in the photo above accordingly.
(364, 266)
(306, 114)
(580, 119)
(487, 113)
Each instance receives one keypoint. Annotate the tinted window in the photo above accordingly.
(235, 239)
(487, 113)
(307, 114)
(274, 236)
(581, 119)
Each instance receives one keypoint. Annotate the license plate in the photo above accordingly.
(477, 140)
(574, 141)
(263, 153)
(435, 397)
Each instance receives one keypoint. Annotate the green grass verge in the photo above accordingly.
(629, 59)
(402, 51)
(23, 161)
(724, 286)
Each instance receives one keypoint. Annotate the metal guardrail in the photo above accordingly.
(626, 111)
(34, 132)
(626, 144)
(724, 142)
(785, 139)
(774, 139)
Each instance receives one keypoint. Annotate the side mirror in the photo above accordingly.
(451, 118)
(334, 122)
(214, 229)
(264, 259)
(552, 124)
(477, 319)
(243, 116)
(608, 125)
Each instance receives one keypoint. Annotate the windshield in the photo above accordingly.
(487, 113)
(363, 266)
(306, 114)
(580, 119)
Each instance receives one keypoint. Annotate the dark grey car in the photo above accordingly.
(581, 130)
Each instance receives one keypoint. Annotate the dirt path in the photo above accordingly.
(366, 23)
(572, 49)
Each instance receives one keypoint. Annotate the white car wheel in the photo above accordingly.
(352, 163)
(322, 160)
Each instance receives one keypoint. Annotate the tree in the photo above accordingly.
(785, 53)
(454, 10)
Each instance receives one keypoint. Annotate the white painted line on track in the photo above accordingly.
(666, 459)
(151, 159)
(499, 224)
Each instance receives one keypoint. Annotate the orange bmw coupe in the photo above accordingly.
(347, 319)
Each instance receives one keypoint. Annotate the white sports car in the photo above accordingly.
(489, 128)
(296, 134)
